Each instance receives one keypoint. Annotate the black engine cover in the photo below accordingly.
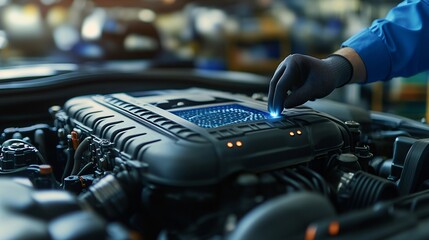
(197, 137)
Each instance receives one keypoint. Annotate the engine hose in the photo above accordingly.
(83, 146)
(300, 178)
(107, 197)
(317, 180)
(15, 171)
(69, 154)
(303, 179)
(85, 168)
(288, 181)
(363, 190)
(284, 217)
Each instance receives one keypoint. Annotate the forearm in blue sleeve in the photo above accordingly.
(397, 45)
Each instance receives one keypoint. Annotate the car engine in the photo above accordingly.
(206, 164)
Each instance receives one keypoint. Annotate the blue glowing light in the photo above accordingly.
(217, 116)
(274, 114)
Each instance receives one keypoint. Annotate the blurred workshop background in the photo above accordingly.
(233, 35)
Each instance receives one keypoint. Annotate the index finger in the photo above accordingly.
(284, 85)
(273, 83)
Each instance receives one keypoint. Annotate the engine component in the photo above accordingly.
(77, 184)
(44, 179)
(31, 214)
(271, 220)
(199, 137)
(109, 195)
(401, 147)
(361, 189)
(356, 189)
(17, 155)
(416, 168)
(202, 164)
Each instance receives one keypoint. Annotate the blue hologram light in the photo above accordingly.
(218, 116)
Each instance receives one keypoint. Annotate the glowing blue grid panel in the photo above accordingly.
(218, 116)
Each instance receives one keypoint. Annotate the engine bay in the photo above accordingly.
(207, 164)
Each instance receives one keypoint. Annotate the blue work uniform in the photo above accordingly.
(397, 45)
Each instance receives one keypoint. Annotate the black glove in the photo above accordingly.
(300, 78)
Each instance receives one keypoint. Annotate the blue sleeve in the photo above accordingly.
(397, 45)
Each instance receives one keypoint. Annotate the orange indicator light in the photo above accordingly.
(239, 143)
(229, 144)
(334, 228)
(310, 234)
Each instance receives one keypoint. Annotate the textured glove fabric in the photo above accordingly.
(300, 78)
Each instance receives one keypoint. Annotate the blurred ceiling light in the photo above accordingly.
(31, 10)
(134, 42)
(337, 7)
(92, 26)
(3, 2)
(168, 1)
(56, 16)
(22, 21)
(209, 21)
(147, 15)
(65, 37)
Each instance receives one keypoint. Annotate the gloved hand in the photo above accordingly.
(300, 78)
